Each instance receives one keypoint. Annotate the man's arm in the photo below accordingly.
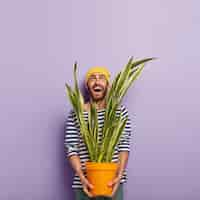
(124, 144)
(123, 160)
(71, 143)
(76, 165)
(124, 149)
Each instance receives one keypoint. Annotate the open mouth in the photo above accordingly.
(97, 89)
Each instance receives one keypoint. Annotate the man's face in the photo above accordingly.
(97, 86)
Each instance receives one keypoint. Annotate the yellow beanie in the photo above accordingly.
(101, 70)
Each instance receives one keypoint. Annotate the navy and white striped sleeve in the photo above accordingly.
(124, 144)
(71, 139)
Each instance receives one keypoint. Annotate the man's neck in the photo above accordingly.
(100, 104)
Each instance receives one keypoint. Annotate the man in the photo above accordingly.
(97, 83)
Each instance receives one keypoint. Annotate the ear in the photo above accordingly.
(109, 85)
(86, 85)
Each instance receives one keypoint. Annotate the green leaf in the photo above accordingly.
(138, 62)
(113, 125)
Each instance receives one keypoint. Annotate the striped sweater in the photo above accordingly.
(74, 144)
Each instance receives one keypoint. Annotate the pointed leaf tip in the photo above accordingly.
(75, 66)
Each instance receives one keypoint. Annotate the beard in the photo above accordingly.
(98, 96)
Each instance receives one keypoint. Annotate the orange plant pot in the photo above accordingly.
(99, 175)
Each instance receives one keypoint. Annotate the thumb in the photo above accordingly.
(113, 182)
(89, 185)
(85, 182)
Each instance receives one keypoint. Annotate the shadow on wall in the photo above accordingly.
(67, 173)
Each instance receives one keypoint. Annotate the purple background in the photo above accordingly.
(39, 42)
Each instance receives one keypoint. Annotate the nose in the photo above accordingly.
(97, 80)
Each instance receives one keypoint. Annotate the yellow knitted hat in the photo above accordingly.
(102, 70)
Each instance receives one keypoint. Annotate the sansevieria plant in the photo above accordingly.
(113, 124)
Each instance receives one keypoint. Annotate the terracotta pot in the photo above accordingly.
(99, 175)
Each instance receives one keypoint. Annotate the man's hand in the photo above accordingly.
(76, 165)
(114, 184)
(123, 158)
(86, 185)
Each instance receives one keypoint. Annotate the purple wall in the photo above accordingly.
(40, 40)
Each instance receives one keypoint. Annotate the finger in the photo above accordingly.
(113, 182)
(115, 190)
(85, 181)
(89, 184)
(87, 192)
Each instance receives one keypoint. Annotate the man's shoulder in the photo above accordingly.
(71, 113)
(122, 108)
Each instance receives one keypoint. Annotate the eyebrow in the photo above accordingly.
(101, 75)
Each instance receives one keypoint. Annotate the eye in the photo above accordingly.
(99, 77)
(92, 78)
(102, 77)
